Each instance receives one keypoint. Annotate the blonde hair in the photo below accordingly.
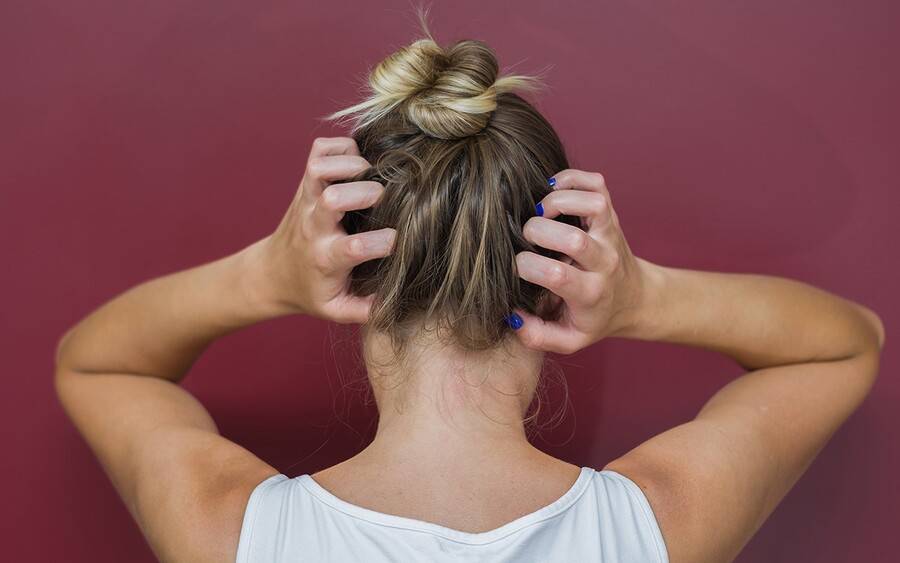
(448, 94)
(463, 158)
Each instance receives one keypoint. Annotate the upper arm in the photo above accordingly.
(727, 469)
(185, 485)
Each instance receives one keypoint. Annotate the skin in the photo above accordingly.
(811, 358)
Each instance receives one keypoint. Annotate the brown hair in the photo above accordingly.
(463, 159)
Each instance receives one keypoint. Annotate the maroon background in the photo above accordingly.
(140, 138)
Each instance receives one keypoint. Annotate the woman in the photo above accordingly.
(435, 227)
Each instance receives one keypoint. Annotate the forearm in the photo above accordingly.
(758, 320)
(159, 327)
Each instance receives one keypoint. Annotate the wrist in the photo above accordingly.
(640, 320)
(259, 282)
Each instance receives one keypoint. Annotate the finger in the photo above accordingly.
(348, 251)
(593, 207)
(326, 146)
(573, 285)
(337, 199)
(569, 240)
(353, 309)
(571, 178)
(547, 336)
(323, 170)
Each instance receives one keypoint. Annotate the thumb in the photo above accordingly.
(353, 310)
(538, 334)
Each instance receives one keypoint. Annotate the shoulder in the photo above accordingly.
(196, 513)
(224, 509)
(690, 491)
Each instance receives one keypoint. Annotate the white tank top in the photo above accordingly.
(603, 517)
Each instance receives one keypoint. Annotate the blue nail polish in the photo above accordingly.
(539, 209)
(551, 182)
(514, 321)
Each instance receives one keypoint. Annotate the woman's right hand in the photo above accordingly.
(304, 266)
(603, 289)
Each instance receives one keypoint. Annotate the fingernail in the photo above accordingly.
(551, 182)
(514, 321)
(539, 209)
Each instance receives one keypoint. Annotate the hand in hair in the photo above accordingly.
(600, 281)
(307, 260)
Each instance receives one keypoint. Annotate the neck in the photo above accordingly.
(453, 409)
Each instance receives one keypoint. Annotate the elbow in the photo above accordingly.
(62, 358)
(877, 327)
(59, 368)
(64, 372)
(872, 352)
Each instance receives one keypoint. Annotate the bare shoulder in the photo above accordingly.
(728, 469)
(196, 514)
(225, 500)
(673, 487)
(184, 483)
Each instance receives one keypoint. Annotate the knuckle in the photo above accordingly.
(315, 167)
(320, 143)
(321, 260)
(331, 198)
(556, 275)
(593, 293)
(615, 260)
(598, 177)
(578, 243)
(356, 248)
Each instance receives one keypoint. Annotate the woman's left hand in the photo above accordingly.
(306, 262)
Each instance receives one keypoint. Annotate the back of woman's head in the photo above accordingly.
(463, 159)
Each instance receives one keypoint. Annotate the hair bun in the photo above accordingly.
(447, 94)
